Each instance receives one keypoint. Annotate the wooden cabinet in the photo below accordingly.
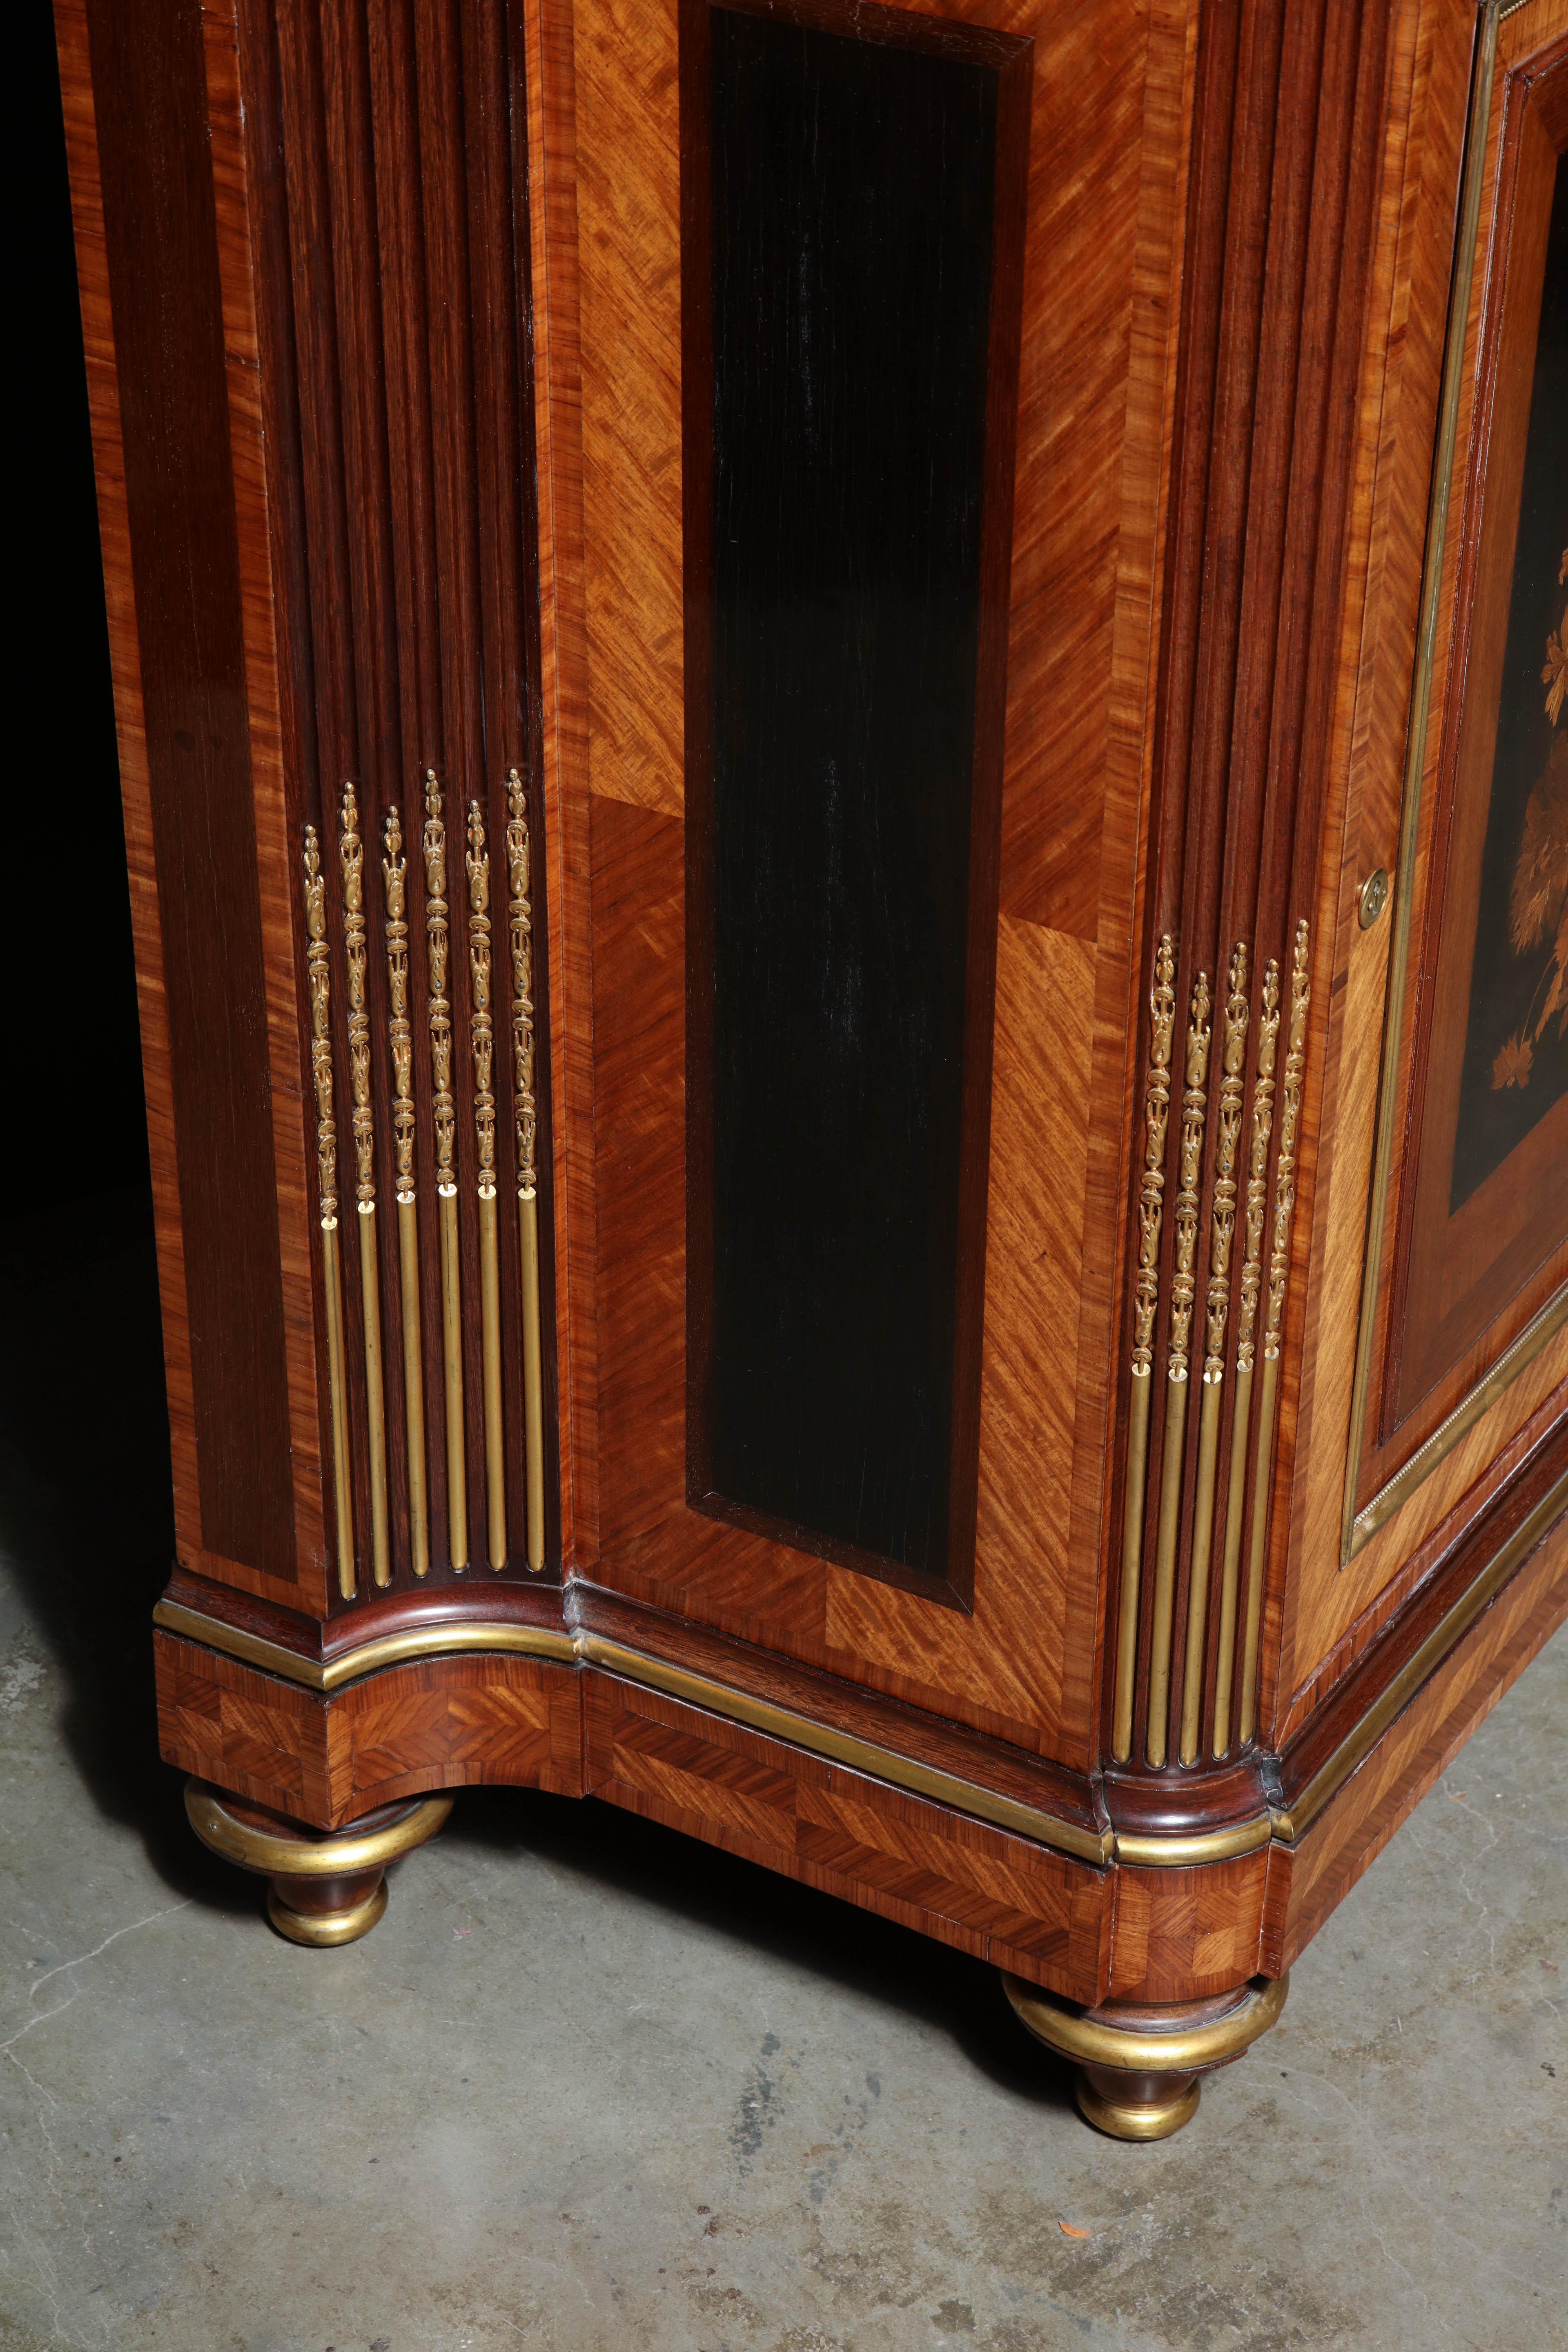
(844, 757)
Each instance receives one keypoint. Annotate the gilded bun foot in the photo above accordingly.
(1139, 2067)
(326, 1886)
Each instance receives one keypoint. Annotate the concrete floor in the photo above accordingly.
(589, 2087)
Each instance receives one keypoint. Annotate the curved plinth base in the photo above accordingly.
(327, 1887)
(1139, 2068)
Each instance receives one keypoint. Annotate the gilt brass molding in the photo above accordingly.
(336, 1854)
(1182, 1851)
(1089, 2041)
(1444, 1636)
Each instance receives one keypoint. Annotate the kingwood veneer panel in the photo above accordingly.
(1103, 203)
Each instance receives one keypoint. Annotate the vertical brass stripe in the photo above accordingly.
(1222, 1234)
(400, 1041)
(1150, 1198)
(350, 856)
(444, 1118)
(1274, 1317)
(376, 1392)
(1247, 1720)
(1183, 1293)
(520, 912)
(1245, 1346)
(317, 970)
(452, 1368)
(1198, 1588)
(1157, 1737)
(483, 1044)
(532, 1376)
(1230, 1575)
(339, 1407)
(413, 1383)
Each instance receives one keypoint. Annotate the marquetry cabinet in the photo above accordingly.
(847, 787)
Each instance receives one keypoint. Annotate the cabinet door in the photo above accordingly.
(1466, 1298)
(874, 308)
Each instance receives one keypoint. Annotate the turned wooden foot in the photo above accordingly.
(1139, 2068)
(327, 1887)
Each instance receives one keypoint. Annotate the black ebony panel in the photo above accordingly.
(840, 970)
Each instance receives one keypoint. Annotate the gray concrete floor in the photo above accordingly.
(589, 2087)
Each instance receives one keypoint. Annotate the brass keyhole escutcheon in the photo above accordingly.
(1373, 897)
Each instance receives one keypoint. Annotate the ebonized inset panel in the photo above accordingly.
(852, 215)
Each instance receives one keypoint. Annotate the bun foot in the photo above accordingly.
(326, 1886)
(1139, 2067)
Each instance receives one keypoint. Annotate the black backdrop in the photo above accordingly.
(74, 1072)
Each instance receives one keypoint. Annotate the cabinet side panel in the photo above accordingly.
(160, 250)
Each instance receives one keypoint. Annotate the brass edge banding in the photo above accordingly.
(844, 1748)
(1140, 1853)
(1089, 2043)
(520, 919)
(1464, 1417)
(1284, 1826)
(319, 977)
(1445, 1635)
(1151, 1196)
(1184, 1295)
(336, 1854)
(1388, 1114)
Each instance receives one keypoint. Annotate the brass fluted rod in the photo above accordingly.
(444, 1113)
(1156, 1115)
(520, 920)
(482, 1039)
(1183, 1291)
(317, 969)
(350, 854)
(1222, 1233)
(1278, 1276)
(400, 1040)
(1245, 1326)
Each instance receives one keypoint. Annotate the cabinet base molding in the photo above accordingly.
(1139, 2067)
(323, 1889)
